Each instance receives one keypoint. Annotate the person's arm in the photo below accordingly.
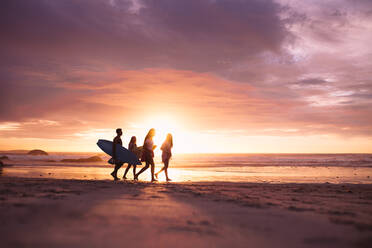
(114, 149)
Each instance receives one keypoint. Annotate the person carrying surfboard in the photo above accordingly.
(148, 155)
(118, 164)
(166, 148)
(133, 148)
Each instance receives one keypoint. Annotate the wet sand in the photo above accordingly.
(258, 174)
(50, 212)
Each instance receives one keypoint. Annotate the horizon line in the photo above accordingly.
(201, 153)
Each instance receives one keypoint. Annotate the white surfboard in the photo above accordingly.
(122, 154)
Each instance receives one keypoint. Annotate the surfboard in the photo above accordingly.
(122, 154)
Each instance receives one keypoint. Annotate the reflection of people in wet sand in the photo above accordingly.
(133, 148)
(118, 164)
(166, 148)
(148, 155)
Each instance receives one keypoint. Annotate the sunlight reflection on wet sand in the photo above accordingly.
(269, 174)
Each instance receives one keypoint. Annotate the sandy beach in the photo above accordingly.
(46, 212)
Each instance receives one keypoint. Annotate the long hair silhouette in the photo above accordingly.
(150, 134)
(170, 139)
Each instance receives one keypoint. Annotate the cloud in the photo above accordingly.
(262, 67)
(198, 35)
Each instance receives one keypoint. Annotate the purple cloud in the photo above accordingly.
(286, 65)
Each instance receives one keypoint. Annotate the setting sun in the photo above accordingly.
(163, 125)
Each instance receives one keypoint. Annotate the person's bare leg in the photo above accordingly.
(126, 171)
(142, 170)
(166, 163)
(156, 174)
(153, 172)
(114, 174)
(134, 170)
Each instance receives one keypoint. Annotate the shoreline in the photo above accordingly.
(40, 211)
(271, 174)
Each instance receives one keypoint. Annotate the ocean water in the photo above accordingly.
(268, 168)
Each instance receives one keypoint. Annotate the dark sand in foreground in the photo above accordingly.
(98, 213)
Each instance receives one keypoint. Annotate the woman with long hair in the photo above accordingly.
(148, 154)
(166, 148)
(133, 148)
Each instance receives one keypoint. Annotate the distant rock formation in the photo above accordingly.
(4, 157)
(37, 152)
(83, 160)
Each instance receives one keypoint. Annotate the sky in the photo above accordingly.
(229, 76)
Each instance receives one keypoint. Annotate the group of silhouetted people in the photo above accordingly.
(145, 155)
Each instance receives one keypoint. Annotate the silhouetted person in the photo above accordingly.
(166, 148)
(118, 164)
(148, 154)
(133, 148)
